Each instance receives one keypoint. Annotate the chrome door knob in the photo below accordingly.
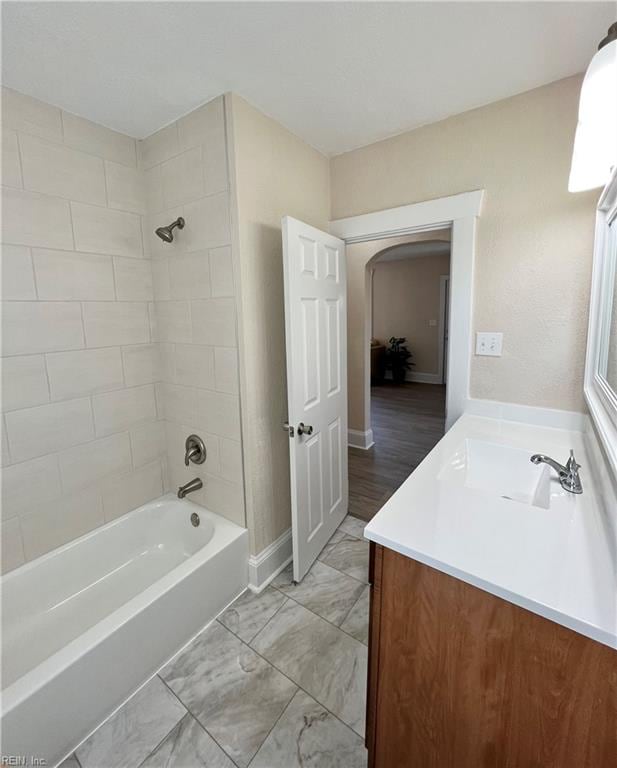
(304, 429)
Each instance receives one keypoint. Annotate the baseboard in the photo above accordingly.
(418, 377)
(358, 439)
(527, 414)
(270, 562)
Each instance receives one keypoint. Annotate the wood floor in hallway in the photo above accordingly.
(407, 421)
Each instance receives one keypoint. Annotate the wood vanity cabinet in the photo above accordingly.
(459, 678)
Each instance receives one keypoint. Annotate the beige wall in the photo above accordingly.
(359, 325)
(534, 243)
(276, 174)
(82, 433)
(194, 312)
(406, 295)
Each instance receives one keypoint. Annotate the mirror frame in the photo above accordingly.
(601, 398)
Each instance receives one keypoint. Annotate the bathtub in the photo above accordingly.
(86, 624)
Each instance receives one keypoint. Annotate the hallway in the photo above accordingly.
(407, 422)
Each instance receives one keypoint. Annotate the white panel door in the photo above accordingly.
(316, 339)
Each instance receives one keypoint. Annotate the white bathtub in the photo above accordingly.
(85, 625)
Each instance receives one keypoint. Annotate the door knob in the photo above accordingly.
(304, 429)
(288, 428)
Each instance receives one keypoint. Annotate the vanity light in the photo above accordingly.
(595, 143)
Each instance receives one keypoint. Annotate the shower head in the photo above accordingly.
(166, 233)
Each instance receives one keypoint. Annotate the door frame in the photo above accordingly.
(443, 293)
(459, 212)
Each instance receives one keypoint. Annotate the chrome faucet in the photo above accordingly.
(192, 485)
(568, 475)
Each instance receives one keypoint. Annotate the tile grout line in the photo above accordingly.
(285, 708)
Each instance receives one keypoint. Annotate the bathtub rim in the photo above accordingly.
(225, 532)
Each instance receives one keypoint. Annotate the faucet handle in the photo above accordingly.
(194, 450)
(572, 464)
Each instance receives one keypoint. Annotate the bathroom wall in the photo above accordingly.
(276, 174)
(406, 295)
(194, 311)
(82, 437)
(534, 242)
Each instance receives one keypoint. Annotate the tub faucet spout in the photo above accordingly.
(192, 485)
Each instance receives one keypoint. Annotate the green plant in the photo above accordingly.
(398, 358)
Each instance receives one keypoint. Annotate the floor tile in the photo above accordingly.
(323, 590)
(234, 693)
(356, 623)
(353, 526)
(325, 662)
(188, 746)
(337, 536)
(307, 735)
(129, 736)
(350, 555)
(250, 612)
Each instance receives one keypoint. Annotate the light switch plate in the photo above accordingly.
(489, 343)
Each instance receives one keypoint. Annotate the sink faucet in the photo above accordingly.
(568, 475)
(192, 485)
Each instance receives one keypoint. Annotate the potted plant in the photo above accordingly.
(398, 359)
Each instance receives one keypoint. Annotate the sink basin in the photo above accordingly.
(501, 471)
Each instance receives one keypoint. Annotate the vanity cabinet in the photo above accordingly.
(459, 678)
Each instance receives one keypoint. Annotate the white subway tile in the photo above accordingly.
(226, 369)
(224, 498)
(73, 276)
(100, 230)
(133, 279)
(206, 127)
(148, 442)
(12, 544)
(214, 322)
(173, 321)
(11, 164)
(74, 374)
(131, 491)
(118, 410)
(98, 140)
(221, 272)
(219, 413)
(179, 403)
(207, 223)
(168, 362)
(17, 273)
(153, 184)
(125, 188)
(32, 219)
(183, 178)
(160, 278)
(110, 324)
(142, 364)
(44, 429)
(231, 460)
(23, 113)
(160, 146)
(84, 466)
(29, 483)
(194, 365)
(189, 276)
(54, 169)
(31, 327)
(55, 523)
(24, 382)
(5, 456)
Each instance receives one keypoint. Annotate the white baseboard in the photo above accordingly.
(418, 377)
(270, 562)
(358, 439)
(527, 414)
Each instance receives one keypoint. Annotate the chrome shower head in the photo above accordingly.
(166, 233)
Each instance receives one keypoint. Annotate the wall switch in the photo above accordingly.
(489, 344)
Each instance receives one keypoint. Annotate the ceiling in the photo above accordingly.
(414, 250)
(340, 75)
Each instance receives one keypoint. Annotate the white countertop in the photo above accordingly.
(559, 562)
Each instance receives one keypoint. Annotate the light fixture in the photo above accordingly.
(595, 142)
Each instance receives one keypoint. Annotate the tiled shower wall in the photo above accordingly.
(83, 440)
(186, 174)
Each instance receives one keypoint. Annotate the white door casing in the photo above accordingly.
(316, 341)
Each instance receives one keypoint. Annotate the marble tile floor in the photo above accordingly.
(277, 681)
